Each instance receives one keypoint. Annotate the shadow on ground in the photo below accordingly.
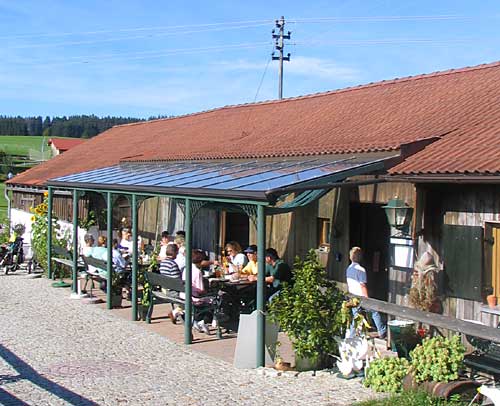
(26, 372)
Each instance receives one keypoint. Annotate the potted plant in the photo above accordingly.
(491, 298)
(117, 283)
(308, 311)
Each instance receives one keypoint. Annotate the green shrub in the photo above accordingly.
(437, 359)
(39, 232)
(386, 374)
(309, 310)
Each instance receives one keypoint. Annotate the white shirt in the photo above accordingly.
(238, 261)
(355, 275)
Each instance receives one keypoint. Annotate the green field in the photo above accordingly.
(21, 145)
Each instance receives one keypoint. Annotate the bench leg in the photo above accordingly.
(150, 311)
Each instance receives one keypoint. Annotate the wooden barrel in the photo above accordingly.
(442, 389)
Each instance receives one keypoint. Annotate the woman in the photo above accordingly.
(202, 314)
(235, 257)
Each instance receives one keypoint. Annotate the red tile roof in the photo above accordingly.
(63, 144)
(375, 117)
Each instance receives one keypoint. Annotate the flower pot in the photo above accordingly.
(492, 300)
(143, 312)
(308, 364)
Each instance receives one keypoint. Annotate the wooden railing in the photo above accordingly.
(433, 319)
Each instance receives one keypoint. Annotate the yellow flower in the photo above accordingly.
(32, 210)
(45, 194)
(32, 219)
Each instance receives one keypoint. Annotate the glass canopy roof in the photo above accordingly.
(258, 179)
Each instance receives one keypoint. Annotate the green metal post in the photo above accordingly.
(261, 285)
(187, 289)
(109, 237)
(74, 287)
(49, 233)
(135, 256)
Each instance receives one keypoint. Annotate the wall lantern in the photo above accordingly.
(398, 213)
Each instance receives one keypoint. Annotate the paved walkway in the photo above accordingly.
(57, 351)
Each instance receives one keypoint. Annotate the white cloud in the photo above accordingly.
(300, 66)
(323, 68)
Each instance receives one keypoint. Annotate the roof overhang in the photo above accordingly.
(259, 180)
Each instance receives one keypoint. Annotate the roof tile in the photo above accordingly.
(460, 106)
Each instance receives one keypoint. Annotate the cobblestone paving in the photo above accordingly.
(58, 351)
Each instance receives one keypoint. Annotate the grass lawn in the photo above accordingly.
(20, 145)
(3, 203)
(414, 399)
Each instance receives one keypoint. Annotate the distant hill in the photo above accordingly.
(72, 126)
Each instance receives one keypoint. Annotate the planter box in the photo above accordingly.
(116, 300)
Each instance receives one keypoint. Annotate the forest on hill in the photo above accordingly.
(82, 126)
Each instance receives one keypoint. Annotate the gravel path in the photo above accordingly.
(57, 351)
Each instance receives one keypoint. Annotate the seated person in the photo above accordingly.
(251, 269)
(100, 252)
(165, 239)
(119, 263)
(125, 244)
(277, 272)
(89, 245)
(168, 266)
(180, 259)
(235, 257)
(202, 315)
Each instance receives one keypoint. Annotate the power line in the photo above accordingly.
(144, 54)
(251, 23)
(171, 27)
(107, 40)
(387, 41)
(379, 19)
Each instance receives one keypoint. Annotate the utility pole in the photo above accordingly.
(279, 45)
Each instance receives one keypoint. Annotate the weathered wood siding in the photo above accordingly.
(465, 205)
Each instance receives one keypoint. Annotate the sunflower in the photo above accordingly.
(33, 219)
(45, 194)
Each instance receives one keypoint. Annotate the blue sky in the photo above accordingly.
(144, 58)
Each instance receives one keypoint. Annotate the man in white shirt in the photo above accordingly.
(356, 284)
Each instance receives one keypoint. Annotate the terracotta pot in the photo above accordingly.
(492, 300)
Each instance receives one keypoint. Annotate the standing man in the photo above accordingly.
(356, 284)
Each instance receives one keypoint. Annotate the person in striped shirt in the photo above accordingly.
(168, 266)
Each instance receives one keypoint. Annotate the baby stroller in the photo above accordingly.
(12, 255)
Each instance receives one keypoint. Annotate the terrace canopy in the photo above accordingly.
(254, 186)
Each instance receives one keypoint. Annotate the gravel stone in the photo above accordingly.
(57, 351)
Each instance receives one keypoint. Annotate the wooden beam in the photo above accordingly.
(433, 319)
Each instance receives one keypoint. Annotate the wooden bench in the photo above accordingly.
(97, 271)
(63, 257)
(172, 285)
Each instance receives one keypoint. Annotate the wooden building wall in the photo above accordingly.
(459, 205)
(62, 204)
